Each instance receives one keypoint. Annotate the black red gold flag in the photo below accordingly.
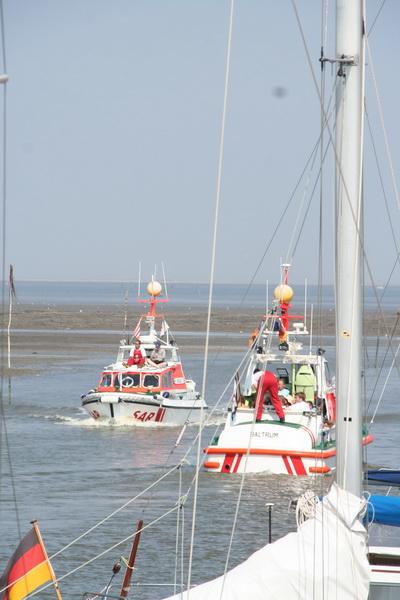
(27, 569)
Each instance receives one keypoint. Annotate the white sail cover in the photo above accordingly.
(326, 559)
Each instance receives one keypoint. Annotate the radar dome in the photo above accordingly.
(283, 293)
(154, 288)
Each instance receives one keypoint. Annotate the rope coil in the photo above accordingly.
(306, 507)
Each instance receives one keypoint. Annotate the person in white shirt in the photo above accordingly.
(157, 357)
(299, 404)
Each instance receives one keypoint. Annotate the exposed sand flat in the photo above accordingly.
(182, 319)
(44, 336)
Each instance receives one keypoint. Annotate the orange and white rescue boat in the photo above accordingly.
(154, 393)
(304, 442)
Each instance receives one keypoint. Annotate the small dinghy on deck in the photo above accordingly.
(146, 384)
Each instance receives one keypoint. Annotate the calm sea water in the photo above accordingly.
(189, 294)
(70, 472)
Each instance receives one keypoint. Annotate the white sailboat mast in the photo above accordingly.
(349, 149)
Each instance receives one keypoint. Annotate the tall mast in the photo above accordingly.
(349, 149)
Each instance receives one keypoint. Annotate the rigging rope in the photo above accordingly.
(383, 125)
(385, 199)
(354, 217)
(112, 514)
(3, 425)
(324, 35)
(94, 558)
(384, 385)
(212, 272)
(235, 518)
(177, 530)
(376, 17)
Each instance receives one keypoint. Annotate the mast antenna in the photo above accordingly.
(165, 281)
(139, 277)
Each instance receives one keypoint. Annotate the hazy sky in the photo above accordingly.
(114, 116)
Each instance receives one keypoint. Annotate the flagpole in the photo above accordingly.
(40, 540)
(10, 303)
(126, 311)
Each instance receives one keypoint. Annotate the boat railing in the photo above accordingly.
(270, 357)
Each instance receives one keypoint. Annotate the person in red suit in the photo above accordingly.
(268, 383)
(137, 355)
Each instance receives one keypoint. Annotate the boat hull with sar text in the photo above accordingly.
(152, 409)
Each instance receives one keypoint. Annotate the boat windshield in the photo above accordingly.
(151, 381)
(106, 380)
(130, 380)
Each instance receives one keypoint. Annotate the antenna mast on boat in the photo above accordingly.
(350, 42)
(139, 278)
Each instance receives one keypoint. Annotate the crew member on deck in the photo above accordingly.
(157, 357)
(268, 383)
(137, 355)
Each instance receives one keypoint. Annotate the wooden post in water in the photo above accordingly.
(129, 567)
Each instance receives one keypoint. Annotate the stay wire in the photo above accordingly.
(237, 507)
(324, 35)
(3, 424)
(383, 390)
(278, 225)
(347, 196)
(323, 112)
(172, 469)
(281, 219)
(376, 18)
(383, 360)
(384, 194)
(100, 555)
(289, 253)
(319, 174)
(212, 273)
(113, 513)
(383, 125)
(299, 235)
(130, 501)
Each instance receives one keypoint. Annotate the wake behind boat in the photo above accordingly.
(146, 384)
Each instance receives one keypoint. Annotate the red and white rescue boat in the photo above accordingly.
(302, 444)
(151, 394)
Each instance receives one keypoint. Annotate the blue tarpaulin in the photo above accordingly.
(389, 476)
(384, 510)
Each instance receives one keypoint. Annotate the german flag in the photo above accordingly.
(27, 569)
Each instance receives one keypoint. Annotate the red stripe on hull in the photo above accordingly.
(298, 465)
(227, 464)
(287, 465)
(238, 460)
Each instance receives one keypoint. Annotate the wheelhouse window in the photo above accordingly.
(151, 381)
(167, 379)
(106, 380)
(130, 380)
